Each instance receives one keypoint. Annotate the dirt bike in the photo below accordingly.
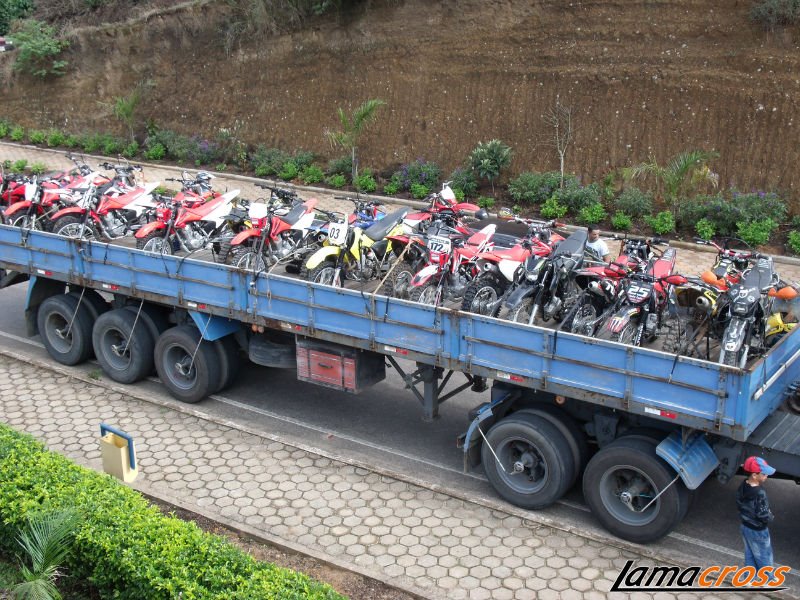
(272, 238)
(599, 284)
(544, 285)
(451, 264)
(642, 301)
(187, 227)
(499, 267)
(353, 253)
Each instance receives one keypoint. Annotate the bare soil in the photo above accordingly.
(644, 78)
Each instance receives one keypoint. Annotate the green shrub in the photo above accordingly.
(419, 190)
(303, 159)
(634, 202)
(221, 167)
(289, 170)
(38, 47)
(5, 128)
(155, 152)
(365, 182)
(552, 209)
(124, 545)
(72, 141)
(17, 134)
(336, 181)
(705, 228)
(621, 222)
(394, 186)
(341, 166)
(312, 174)
(91, 142)
(794, 241)
(662, 223)
(38, 168)
(11, 10)
(488, 159)
(463, 180)
(575, 197)
(420, 172)
(726, 213)
(756, 233)
(20, 165)
(592, 214)
(773, 13)
(536, 188)
(131, 150)
(112, 146)
(795, 222)
(459, 194)
(36, 136)
(56, 138)
(484, 202)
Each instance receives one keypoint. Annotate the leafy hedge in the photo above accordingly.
(125, 546)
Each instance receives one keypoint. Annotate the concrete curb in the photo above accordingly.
(668, 557)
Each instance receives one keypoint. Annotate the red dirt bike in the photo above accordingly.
(451, 264)
(186, 226)
(499, 267)
(272, 238)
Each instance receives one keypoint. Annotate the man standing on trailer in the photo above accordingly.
(755, 514)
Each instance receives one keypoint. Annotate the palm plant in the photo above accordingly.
(682, 173)
(352, 126)
(46, 542)
(489, 158)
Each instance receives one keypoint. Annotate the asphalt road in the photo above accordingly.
(383, 427)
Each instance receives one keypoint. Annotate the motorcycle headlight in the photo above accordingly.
(530, 277)
(740, 308)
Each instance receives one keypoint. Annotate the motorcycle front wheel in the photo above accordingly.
(326, 274)
(155, 243)
(251, 261)
(522, 312)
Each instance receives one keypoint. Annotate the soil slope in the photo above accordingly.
(644, 78)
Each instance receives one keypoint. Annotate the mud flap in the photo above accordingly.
(693, 459)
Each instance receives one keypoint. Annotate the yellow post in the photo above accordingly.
(116, 450)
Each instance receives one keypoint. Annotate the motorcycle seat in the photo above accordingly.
(294, 215)
(379, 230)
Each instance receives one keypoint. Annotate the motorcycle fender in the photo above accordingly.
(519, 294)
(734, 335)
(242, 236)
(424, 275)
(321, 256)
(466, 206)
(72, 210)
(618, 322)
(508, 268)
(149, 228)
(17, 207)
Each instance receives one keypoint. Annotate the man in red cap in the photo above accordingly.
(755, 514)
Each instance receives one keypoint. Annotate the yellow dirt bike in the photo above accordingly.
(353, 253)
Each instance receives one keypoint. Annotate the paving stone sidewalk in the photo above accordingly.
(416, 539)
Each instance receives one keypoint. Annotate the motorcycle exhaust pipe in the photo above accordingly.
(703, 303)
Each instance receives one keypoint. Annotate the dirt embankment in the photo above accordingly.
(644, 77)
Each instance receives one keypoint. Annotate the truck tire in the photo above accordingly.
(186, 364)
(93, 301)
(480, 294)
(612, 472)
(123, 346)
(66, 329)
(152, 316)
(228, 355)
(569, 429)
(537, 465)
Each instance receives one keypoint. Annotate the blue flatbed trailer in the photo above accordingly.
(702, 417)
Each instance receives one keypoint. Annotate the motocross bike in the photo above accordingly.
(599, 284)
(444, 200)
(642, 301)
(187, 227)
(499, 266)
(410, 249)
(272, 238)
(451, 263)
(353, 253)
(746, 307)
(544, 285)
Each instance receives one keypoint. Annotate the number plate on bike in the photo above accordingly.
(337, 234)
(439, 244)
